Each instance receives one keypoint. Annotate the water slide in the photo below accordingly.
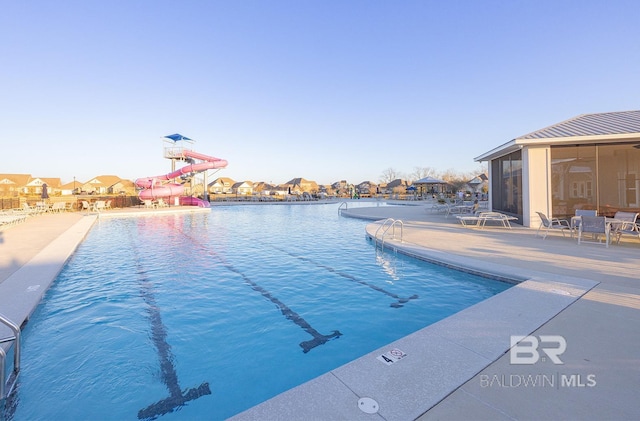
(157, 187)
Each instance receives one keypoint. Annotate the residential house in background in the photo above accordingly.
(102, 184)
(367, 188)
(300, 185)
(69, 188)
(396, 186)
(242, 188)
(221, 185)
(14, 185)
(478, 184)
(340, 187)
(263, 188)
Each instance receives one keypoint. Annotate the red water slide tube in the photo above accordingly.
(157, 187)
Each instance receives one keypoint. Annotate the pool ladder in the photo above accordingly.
(346, 207)
(6, 386)
(388, 224)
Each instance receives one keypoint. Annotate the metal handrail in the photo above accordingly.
(392, 224)
(346, 207)
(9, 383)
(382, 226)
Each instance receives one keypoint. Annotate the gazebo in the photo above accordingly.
(430, 184)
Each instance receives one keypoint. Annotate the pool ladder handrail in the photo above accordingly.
(391, 224)
(346, 207)
(7, 386)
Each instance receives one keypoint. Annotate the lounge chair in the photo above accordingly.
(27, 209)
(440, 207)
(481, 219)
(9, 219)
(42, 207)
(149, 204)
(99, 206)
(86, 206)
(594, 225)
(59, 207)
(161, 203)
(552, 224)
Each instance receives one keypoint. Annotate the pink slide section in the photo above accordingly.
(157, 187)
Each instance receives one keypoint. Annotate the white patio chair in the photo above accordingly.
(552, 224)
(625, 223)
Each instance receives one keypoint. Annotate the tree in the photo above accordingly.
(389, 175)
(422, 172)
(455, 179)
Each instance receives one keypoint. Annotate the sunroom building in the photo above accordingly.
(591, 161)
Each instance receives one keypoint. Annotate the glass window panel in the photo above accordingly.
(602, 177)
(507, 184)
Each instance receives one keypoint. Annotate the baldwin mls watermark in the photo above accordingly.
(534, 351)
(527, 349)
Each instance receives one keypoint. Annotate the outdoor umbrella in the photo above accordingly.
(45, 192)
(176, 137)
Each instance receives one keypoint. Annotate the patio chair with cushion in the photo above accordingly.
(594, 225)
(552, 224)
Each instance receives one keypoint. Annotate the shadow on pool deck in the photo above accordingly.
(457, 368)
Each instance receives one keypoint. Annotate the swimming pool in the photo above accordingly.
(206, 315)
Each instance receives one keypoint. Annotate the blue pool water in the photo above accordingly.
(202, 316)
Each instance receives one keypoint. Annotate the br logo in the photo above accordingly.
(527, 349)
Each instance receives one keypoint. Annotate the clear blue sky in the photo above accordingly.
(325, 90)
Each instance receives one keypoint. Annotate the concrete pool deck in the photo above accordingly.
(458, 368)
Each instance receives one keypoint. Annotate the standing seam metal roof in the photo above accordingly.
(600, 124)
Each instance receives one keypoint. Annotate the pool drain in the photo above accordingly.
(368, 405)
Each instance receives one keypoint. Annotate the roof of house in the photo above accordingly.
(600, 124)
(52, 182)
(299, 181)
(222, 180)
(18, 179)
(585, 128)
(398, 182)
(242, 184)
